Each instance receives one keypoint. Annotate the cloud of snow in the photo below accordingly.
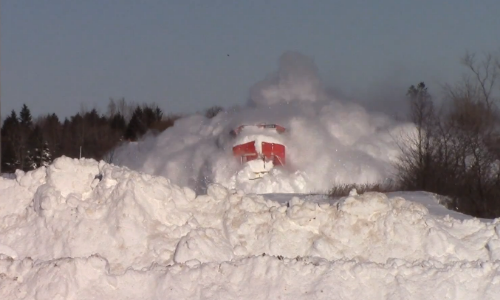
(296, 80)
(328, 141)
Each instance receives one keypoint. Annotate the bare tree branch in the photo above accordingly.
(485, 74)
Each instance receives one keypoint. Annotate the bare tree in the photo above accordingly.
(474, 124)
(484, 76)
(415, 165)
(121, 107)
(456, 151)
(111, 108)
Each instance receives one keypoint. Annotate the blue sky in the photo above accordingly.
(58, 55)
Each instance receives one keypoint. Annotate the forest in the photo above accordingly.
(28, 142)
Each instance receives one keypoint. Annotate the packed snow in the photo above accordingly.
(82, 229)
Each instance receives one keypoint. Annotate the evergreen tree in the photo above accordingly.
(10, 124)
(52, 134)
(25, 116)
(118, 123)
(10, 143)
(136, 127)
(143, 119)
(26, 127)
(45, 155)
(97, 138)
(38, 153)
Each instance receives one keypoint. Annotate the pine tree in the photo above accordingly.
(136, 127)
(45, 155)
(25, 116)
(26, 128)
(52, 134)
(35, 145)
(39, 157)
(10, 143)
(118, 123)
(143, 119)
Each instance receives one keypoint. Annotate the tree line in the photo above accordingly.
(455, 149)
(29, 143)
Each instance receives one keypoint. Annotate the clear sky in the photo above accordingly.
(57, 55)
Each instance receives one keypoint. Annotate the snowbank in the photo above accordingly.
(67, 234)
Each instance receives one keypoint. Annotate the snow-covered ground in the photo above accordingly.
(65, 234)
(174, 218)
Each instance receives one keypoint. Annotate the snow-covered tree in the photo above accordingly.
(39, 157)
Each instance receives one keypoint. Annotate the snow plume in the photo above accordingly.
(328, 141)
(296, 80)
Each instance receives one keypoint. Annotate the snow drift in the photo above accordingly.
(328, 141)
(81, 229)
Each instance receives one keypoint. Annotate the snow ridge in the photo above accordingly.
(66, 233)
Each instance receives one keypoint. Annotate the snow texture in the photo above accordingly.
(66, 233)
